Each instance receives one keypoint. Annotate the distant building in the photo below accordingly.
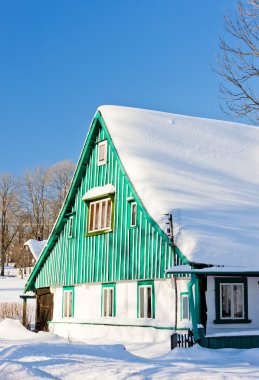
(31, 252)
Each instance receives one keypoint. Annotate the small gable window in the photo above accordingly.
(133, 215)
(70, 227)
(102, 153)
(100, 215)
(108, 300)
(68, 302)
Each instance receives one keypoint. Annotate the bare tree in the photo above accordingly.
(60, 178)
(11, 217)
(238, 62)
(44, 191)
(36, 195)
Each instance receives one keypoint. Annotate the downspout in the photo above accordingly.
(174, 277)
(192, 308)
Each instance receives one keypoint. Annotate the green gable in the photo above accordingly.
(126, 253)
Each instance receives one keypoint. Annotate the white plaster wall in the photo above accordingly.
(87, 310)
(253, 308)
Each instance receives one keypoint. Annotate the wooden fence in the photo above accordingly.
(182, 340)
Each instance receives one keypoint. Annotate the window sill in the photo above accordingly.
(98, 233)
(231, 321)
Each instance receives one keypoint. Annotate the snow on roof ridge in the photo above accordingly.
(110, 106)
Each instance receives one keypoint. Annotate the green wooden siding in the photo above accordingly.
(126, 253)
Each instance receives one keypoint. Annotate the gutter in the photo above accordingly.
(192, 308)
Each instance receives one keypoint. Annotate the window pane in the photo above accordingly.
(185, 307)
(133, 214)
(108, 214)
(70, 304)
(226, 301)
(91, 218)
(105, 302)
(70, 226)
(96, 217)
(103, 213)
(238, 300)
(101, 152)
(149, 302)
(111, 302)
(65, 304)
(142, 301)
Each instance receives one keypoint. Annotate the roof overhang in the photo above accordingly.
(214, 271)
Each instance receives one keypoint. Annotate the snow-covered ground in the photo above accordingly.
(11, 286)
(26, 355)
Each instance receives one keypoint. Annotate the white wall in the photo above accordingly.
(87, 310)
(253, 308)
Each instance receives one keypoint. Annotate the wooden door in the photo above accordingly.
(44, 309)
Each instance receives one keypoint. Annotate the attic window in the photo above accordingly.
(100, 216)
(102, 153)
(70, 228)
(133, 215)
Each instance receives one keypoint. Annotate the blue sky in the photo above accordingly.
(61, 59)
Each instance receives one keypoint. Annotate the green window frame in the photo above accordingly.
(226, 293)
(68, 302)
(183, 297)
(108, 300)
(146, 299)
(98, 209)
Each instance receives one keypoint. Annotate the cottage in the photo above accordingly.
(158, 233)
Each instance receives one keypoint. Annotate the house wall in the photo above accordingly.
(253, 308)
(89, 324)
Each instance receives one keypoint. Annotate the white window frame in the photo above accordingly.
(133, 204)
(103, 205)
(145, 287)
(104, 160)
(108, 301)
(232, 316)
(67, 301)
(70, 227)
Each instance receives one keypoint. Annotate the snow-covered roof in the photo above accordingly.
(206, 171)
(98, 192)
(36, 247)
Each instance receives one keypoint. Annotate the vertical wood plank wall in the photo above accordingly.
(124, 254)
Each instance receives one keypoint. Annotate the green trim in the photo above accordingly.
(181, 305)
(198, 300)
(69, 288)
(147, 283)
(193, 309)
(105, 286)
(230, 280)
(118, 325)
